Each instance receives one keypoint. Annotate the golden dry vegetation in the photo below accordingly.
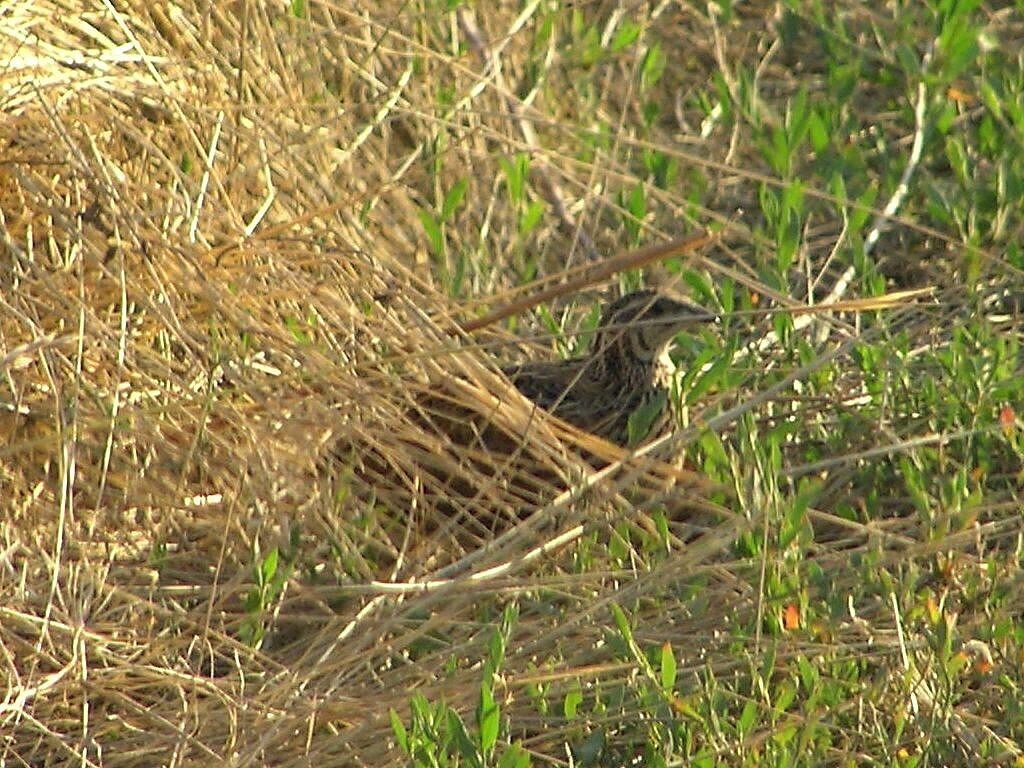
(259, 488)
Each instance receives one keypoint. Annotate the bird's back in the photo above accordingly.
(599, 401)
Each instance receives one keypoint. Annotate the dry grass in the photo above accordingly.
(184, 397)
(223, 335)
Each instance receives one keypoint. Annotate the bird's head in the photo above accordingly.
(642, 324)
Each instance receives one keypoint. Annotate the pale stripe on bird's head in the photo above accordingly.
(641, 325)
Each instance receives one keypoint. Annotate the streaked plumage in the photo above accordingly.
(626, 369)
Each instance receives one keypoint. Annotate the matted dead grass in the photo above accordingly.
(222, 337)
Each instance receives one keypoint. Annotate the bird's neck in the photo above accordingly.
(619, 363)
(664, 369)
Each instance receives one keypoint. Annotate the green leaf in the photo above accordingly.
(707, 380)
(269, 567)
(496, 654)
(650, 111)
(635, 204)
(509, 616)
(464, 744)
(837, 188)
(653, 67)
(661, 524)
(747, 717)
(420, 708)
(453, 199)
(640, 421)
(514, 757)
(531, 217)
(550, 324)
(784, 734)
(808, 674)
(488, 719)
(779, 153)
(626, 36)
(989, 97)
(787, 238)
(716, 458)
(785, 696)
(571, 704)
(957, 157)
(945, 119)
(622, 623)
(797, 120)
(793, 198)
(795, 519)
(589, 752)
(668, 668)
(401, 735)
(792, 524)
(254, 600)
(862, 211)
(458, 275)
(516, 173)
(252, 633)
(700, 285)
(432, 227)
(618, 545)
(958, 42)
(662, 168)
(819, 132)
(908, 58)
(294, 326)
(727, 295)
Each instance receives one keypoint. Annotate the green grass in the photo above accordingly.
(195, 571)
(859, 640)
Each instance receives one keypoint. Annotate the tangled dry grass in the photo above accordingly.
(219, 340)
(222, 337)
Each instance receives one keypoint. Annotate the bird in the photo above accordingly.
(619, 389)
(454, 462)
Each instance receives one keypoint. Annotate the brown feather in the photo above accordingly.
(626, 369)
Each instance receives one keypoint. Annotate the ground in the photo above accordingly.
(267, 498)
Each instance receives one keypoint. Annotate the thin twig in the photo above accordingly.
(630, 260)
